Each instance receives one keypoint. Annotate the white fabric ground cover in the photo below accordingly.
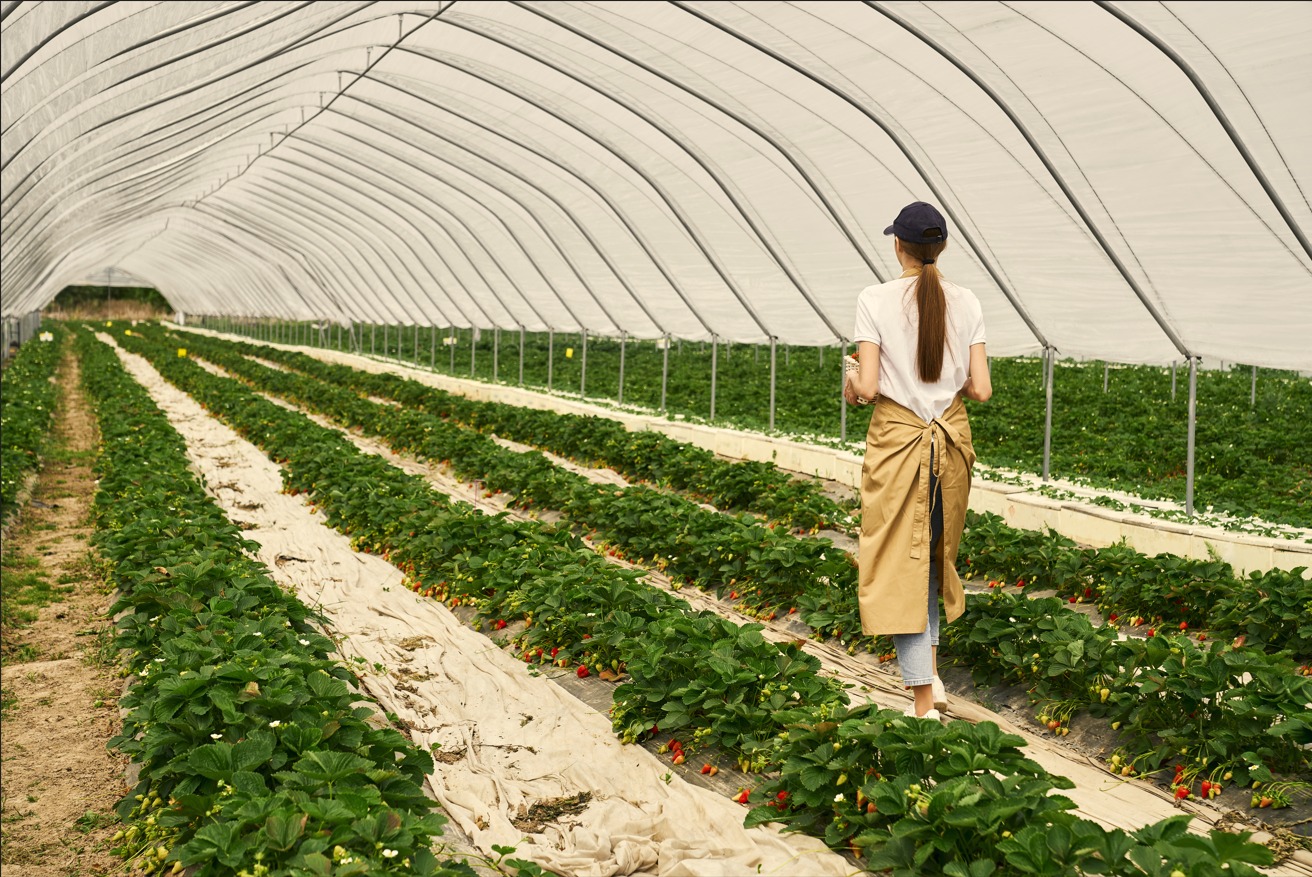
(524, 739)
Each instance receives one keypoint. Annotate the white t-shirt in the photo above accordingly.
(886, 314)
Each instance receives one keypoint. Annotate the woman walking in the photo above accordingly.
(920, 349)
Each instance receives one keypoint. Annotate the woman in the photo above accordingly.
(920, 349)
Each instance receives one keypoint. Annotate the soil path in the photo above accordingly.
(60, 783)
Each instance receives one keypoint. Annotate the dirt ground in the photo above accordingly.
(58, 782)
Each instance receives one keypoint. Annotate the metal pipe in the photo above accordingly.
(416, 344)
(473, 348)
(1193, 419)
(620, 399)
(1047, 421)
(373, 339)
(842, 383)
(583, 363)
(1106, 370)
(551, 355)
(665, 372)
(715, 356)
(452, 337)
(387, 345)
(772, 381)
(432, 348)
(496, 352)
(1252, 396)
(521, 356)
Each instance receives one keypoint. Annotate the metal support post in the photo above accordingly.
(473, 349)
(715, 367)
(787, 356)
(1106, 370)
(496, 352)
(1173, 380)
(452, 345)
(551, 355)
(772, 381)
(521, 356)
(1193, 420)
(1252, 396)
(620, 399)
(387, 346)
(842, 385)
(432, 348)
(416, 344)
(583, 363)
(373, 338)
(1047, 420)
(665, 372)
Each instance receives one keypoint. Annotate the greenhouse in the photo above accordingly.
(431, 438)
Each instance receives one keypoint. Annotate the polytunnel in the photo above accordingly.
(1124, 181)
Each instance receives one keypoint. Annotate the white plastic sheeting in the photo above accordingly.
(1122, 180)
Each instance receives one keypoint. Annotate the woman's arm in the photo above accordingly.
(979, 385)
(866, 382)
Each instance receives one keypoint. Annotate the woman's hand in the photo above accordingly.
(849, 392)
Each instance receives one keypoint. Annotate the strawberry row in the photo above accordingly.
(254, 754)
(1272, 608)
(702, 675)
(591, 441)
(1230, 714)
(27, 409)
(720, 552)
(584, 611)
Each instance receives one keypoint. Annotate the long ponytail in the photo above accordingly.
(932, 308)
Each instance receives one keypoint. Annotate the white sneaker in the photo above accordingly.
(940, 695)
(933, 715)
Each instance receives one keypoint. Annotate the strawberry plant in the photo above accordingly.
(27, 410)
(697, 673)
(255, 756)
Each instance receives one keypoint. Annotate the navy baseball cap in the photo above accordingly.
(919, 223)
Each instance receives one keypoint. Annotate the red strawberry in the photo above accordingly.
(1073, 599)
(706, 768)
(1184, 625)
(1112, 617)
(741, 797)
(582, 671)
(782, 796)
(1152, 631)
(1205, 788)
(554, 650)
(1088, 592)
(501, 623)
(1181, 793)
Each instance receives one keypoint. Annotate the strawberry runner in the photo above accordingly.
(513, 740)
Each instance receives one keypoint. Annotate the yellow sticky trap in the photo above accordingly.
(182, 352)
(569, 352)
(108, 323)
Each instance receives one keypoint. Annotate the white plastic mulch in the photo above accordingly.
(513, 740)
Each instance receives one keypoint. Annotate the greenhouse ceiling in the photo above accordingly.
(1122, 180)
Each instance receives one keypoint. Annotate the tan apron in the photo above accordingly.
(895, 515)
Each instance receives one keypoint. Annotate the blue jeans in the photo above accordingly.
(913, 649)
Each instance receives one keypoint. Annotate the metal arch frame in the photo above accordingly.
(783, 263)
(332, 205)
(615, 208)
(1212, 104)
(419, 231)
(72, 22)
(293, 247)
(438, 205)
(325, 254)
(128, 151)
(549, 197)
(928, 178)
(690, 227)
(183, 93)
(1056, 175)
